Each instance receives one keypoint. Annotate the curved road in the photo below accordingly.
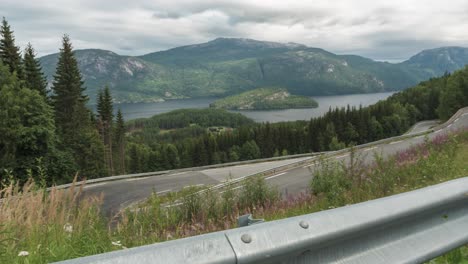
(122, 193)
(422, 126)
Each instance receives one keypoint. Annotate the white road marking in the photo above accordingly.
(137, 179)
(274, 176)
(165, 191)
(370, 149)
(307, 166)
(196, 185)
(456, 120)
(420, 136)
(179, 173)
(438, 131)
(449, 125)
(94, 185)
(396, 142)
(342, 156)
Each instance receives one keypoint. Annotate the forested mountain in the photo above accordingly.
(435, 62)
(101, 67)
(228, 66)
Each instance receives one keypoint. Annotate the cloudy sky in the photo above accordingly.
(382, 30)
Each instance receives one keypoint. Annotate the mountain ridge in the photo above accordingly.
(227, 66)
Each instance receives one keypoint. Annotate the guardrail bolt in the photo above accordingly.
(304, 224)
(246, 238)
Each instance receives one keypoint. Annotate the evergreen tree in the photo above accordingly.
(9, 53)
(27, 131)
(73, 120)
(250, 150)
(105, 106)
(120, 140)
(33, 75)
(234, 153)
(172, 157)
(329, 134)
(134, 159)
(335, 144)
(375, 131)
(68, 91)
(350, 133)
(452, 97)
(105, 111)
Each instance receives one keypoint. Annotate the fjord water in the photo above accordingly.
(139, 110)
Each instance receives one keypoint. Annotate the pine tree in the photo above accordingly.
(33, 75)
(72, 118)
(9, 53)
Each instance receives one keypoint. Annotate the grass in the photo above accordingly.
(61, 224)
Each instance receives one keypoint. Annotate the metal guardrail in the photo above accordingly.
(411, 227)
(158, 173)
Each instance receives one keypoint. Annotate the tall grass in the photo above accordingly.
(61, 224)
(48, 225)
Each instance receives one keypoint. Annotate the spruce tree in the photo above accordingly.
(72, 118)
(68, 90)
(33, 76)
(9, 53)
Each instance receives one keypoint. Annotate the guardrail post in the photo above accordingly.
(247, 220)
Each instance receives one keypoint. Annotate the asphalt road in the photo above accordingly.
(422, 126)
(122, 193)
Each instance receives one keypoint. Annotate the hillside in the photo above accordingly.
(225, 67)
(121, 73)
(264, 99)
(438, 61)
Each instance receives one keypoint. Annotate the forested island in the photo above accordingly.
(265, 99)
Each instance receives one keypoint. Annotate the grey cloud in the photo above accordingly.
(244, 13)
(369, 29)
(163, 15)
(397, 45)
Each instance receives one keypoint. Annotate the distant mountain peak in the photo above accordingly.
(246, 42)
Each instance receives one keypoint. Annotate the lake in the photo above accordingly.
(139, 110)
